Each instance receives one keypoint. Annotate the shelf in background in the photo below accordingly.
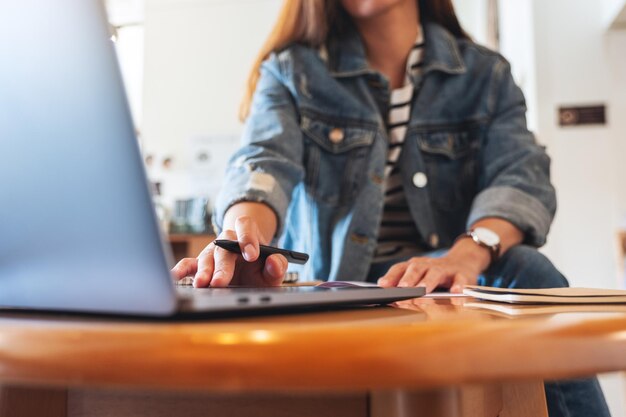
(188, 245)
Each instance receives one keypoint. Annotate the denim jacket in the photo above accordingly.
(315, 144)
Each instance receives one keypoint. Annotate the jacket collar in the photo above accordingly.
(346, 55)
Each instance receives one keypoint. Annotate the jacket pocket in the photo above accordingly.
(336, 158)
(451, 164)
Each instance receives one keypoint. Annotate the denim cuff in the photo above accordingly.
(248, 186)
(521, 209)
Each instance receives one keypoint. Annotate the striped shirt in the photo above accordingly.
(398, 236)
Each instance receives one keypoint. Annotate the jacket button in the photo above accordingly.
(433, 240)
(336, 135)
(420, 180)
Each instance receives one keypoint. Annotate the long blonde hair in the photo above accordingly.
(311, 21)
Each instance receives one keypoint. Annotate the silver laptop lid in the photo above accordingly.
(77, 226)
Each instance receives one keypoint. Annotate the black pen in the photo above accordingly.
(292, 256)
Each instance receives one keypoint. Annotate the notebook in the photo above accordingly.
(516, 310)
(78, 230)
(547, 295)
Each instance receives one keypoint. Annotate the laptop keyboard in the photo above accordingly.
(185, 282)
(290, 278)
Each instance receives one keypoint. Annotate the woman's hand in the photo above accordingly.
(216, 267)
(461, 266)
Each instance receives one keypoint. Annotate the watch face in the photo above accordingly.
(488, 237)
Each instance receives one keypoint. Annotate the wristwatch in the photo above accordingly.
(486, 238)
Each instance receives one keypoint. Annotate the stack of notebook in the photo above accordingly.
(521, 302)
(547, 295)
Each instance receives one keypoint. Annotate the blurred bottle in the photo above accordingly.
(191, 216)
(162, 212)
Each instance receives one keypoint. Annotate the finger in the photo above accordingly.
(413, 274)
(458, 283)
(205, 267)
(432, 279)
(185, 268)
(393, 275)
(248, 237)
(275, 269)
(224, 262)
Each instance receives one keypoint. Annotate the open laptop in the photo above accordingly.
(78, 230)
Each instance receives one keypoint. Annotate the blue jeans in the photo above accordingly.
(525, 267)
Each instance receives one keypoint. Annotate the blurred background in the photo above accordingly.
(185, 63)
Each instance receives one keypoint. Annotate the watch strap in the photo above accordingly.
(494, 250)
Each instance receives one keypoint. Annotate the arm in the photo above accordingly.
(478, 258)
(268, 166)
(254, 197)
(514, 178)
(517, 200)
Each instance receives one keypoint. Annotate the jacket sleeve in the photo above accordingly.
(268, 165)
(514, 171)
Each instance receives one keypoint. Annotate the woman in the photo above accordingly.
(320, 147)
(385, 143)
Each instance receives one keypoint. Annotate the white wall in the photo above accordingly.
(517, 44)
(197, 57)
(611, 9)
(129, 46)
(472, 15)
(126, 20)
(579, 62)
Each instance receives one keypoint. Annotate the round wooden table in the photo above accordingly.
(427, 356)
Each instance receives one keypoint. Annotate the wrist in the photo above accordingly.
(485, 238)
(469, 253)
(260, 214)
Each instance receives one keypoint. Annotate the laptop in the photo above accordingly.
(78, 231)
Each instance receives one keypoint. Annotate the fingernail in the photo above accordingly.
(273, 270)
(249, 252)
(199, 279)
(403, 284)
(455, 288)
(217, 277)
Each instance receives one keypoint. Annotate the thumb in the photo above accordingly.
(274, 270)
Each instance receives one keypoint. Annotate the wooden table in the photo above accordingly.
(426, 358)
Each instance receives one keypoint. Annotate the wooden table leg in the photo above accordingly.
(32, 402)
(525, 399)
